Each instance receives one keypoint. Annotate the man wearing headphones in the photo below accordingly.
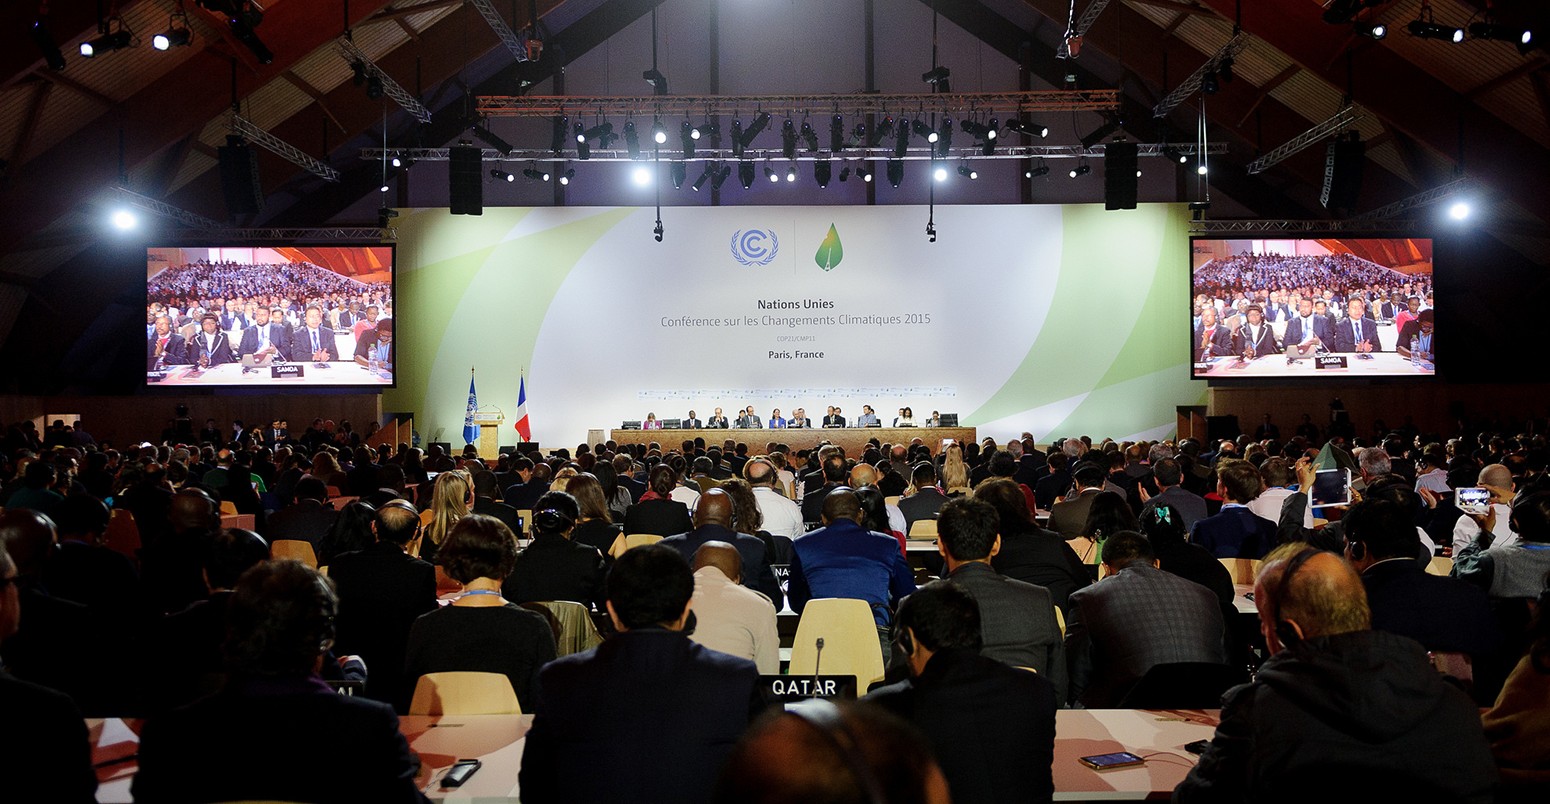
(1336, 694)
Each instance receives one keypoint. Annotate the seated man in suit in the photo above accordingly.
(1211, 339)
(867, 417)
(376, 346)
(662, 709)
(833, 418)
(1069, 517)
(1236, 531)
(1356, 332)
(210, 346)
(308, 519)
(1335, 693)
(1017, 620)
(164, 347)
(1443, 614)
(799, 419)
(1138, 617)
(749, 420)
(712, 522)
(927, 499)
(1307, 330)
(263, 340)
(281, 624)
(1256, 338)
(314, 341)
(691, 422)
(844, 559)
(992, 727)
(717, 421)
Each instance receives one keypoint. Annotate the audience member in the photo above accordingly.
(1235, 531)
(713, 522)
(657, 513)
(844, 559)
(451, 497)
(922, 499)
(309, 520)
(1069, 516)
(661, 711)
(730, 617)
(834, 474)
(1169, 475)
(554, 566)
(1164, 528)
(485, 490)
(782, 517)
(1513, 570)
(594, 526)
(1028, 552)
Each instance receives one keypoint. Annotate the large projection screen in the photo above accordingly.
(1046, 319)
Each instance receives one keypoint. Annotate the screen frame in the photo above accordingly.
(392, 245)
(1316, 378)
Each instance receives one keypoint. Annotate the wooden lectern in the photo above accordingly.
(489, 432)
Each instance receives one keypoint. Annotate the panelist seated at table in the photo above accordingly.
(265, 339)
(1256, 338)
(717, 421)
(868, 418)
(748, 420)
(692, 422)
(833, 418)
(1308, 329)
(799, 419)
(164, 347)
(298, 740)
(376, 345)
(209, 346)
(776, 422)
(1418, 330)
(651, 422)
(1357, 332)
(314, 341)
(1211, 338)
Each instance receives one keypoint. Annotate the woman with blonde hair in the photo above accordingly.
(563, 476)
(451, 498)
(325, 467)
(955, 474)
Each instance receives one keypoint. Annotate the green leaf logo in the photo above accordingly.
(830, 252)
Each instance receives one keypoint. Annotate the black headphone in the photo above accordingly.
(1357, 547)
(1284, 629)
(552, 520)
(824, 716)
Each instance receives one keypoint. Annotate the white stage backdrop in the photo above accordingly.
(1054, 320)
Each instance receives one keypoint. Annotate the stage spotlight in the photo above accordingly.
(657, 80)
(383, 188)
(978, 130)
(177, 35)
(1201, 169)
(760, 121)
(788, 139)
(845, 173)
(720, 175)
(602, 132)
(769, 173)
(1209, 84)
(938, 79)
(557, 138)
(44, 39)
(1080, 170)
(1459, 210)
(837, 134)
(679, 172)
(570, 173)
(863, 174)
(1501, 33)
(901, 140)
(687, 134)
(1426, 29)
(881, 131)
(809, 137)
(737, 139)
(1027, 127)
(895, 172)
(1038, 170)
(384, 215)
(1224, 69)
(1527, 43)
(745, 174)
(105, 44)
(124, 220)
(1174, 154)
(396, 162)
(944, 138)
(939, 174)
(631, 139)
(791, 173)
(658, 231)
(823, 171)
(923, 130)
(658, 131)
(968, 172)
(641, 176)
(1371, 30)
(497, 173)
(583, 150)
(710, 132)
(535, 174)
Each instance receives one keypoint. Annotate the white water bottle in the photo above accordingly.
(1415, 350)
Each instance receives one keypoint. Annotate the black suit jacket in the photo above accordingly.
(556, 568)
(1265, 344)
(991, 727)
(756, 567)
(1017, 622)
(381, 592)
(52, 760)
(1221, 341)
(278, 338)
(834, 421)
(662, 711)
(717, 423)
(1443, 614)
(1345, 336)
(501, 511)
(317, 746)
(1040, 557)
(663, 517)
(176, 353)
(522, 496)
(1321, 328)
(307, 521)
(219, 354)
(923, 504)
(301, 343)
(692, 424)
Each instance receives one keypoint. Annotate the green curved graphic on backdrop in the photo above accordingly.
(830, 252)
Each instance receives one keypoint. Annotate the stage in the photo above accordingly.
(852, 439)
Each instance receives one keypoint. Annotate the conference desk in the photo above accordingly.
(338, 372)
(497, 740)
(852, 439)
(1275, 365)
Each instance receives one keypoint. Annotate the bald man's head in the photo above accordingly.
(397, 522)
(841, 504)
(1496, 475)
(193, 510)
(723, 557)
(863, 475)
(28, 536)
(714, 508)
(1325, 597)
(759, 472)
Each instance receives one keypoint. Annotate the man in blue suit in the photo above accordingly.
(1308, 329)
(660, 711)
(314, 341)
(1235, 531)
(1357, 332)
(264, 339)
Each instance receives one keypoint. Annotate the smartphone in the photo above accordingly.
(1122, 759)
(1474, 500)
(1331, 487)
(460, 771)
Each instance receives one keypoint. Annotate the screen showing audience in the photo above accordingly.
(277, 317)
(1311, 308)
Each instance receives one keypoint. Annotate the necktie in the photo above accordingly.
(314, 340)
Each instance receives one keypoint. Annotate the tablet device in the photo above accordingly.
(1474, 500)
(1331, 488)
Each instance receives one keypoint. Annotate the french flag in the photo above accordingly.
(523, 428)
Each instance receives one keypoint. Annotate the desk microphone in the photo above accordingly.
(817, 661)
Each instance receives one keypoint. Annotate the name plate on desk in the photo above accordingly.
(155, 376)
(783, 689)
(287, 371)
(1330, 362)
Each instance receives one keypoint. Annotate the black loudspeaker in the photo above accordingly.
(466, 169)
(1343, 160)
(239, 178)
(525, 447)
(1119, 175)
(1219, 428)
(506, 449)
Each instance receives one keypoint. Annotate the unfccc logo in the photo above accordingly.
(754, 246)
